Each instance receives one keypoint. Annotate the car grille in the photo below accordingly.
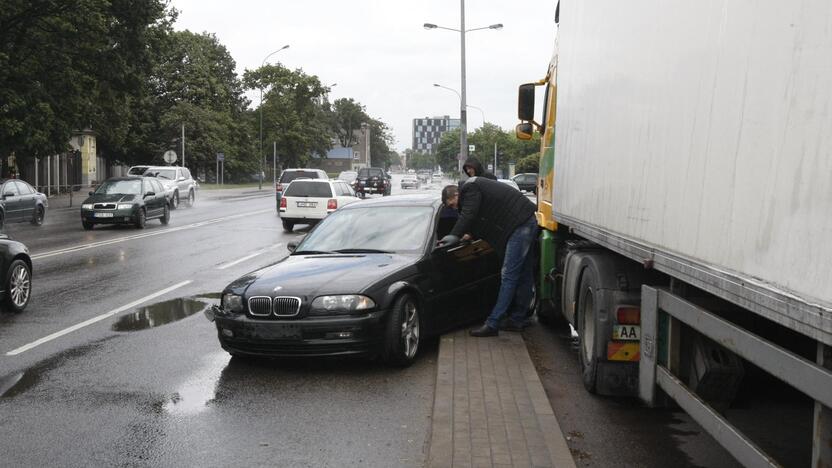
(104, 206)
(260, 305)
(281, 306)
(286, 306)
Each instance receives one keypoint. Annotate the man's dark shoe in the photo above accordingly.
(484, 330)
(511, 326)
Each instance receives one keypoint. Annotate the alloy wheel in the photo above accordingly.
(19, 285)
(410, 329)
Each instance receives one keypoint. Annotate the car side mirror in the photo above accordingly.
(150, 194)
(524, 131)
(91, 193)
(292, 246)
(181, 178)
(8, 194)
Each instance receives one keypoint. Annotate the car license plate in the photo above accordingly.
(626, 332)
(277, 331)
(303, 204)
(103, 215)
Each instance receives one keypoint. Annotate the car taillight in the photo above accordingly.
(283, 202)
(332, 204)
(628, 315)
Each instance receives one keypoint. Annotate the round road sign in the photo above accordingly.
(170, 156)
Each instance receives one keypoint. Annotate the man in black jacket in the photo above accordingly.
(473, 167)
(503, 217)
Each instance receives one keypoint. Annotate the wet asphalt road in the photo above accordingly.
(145, 383)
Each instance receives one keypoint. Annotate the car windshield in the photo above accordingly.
(388, 228)
(369, 172)
(289, 176)
(169, 174)
(303, 188)
(125, 187)
(137, 170)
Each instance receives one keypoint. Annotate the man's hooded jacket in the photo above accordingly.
(478, 170)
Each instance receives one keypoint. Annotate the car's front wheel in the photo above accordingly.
(37, 218)
(402, 333)
(191, 198)
(18, 286)
(288, 226)
(165, 219)
(174, 202)
(141, 218)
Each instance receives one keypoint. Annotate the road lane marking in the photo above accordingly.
(99, 318)
(248, 257)
(93, 245)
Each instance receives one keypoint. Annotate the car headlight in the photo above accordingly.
(232, 303)
(125, 206)
(342, 304)
(86, 206)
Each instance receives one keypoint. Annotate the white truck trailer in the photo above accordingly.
(685, 196)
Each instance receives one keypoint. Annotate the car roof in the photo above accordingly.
(426, 199)
(127, 177)
(317, 181)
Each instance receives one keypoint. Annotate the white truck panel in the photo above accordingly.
(703, 143)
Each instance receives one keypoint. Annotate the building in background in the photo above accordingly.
(340, 158)
(428, 131)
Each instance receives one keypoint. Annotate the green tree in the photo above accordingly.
(293, 116)
(447, 151)
(380, 141)
(529, 163)
(347, 117)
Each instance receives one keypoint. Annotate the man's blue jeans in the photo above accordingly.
(517, 276)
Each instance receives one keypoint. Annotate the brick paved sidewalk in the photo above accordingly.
(490, 409)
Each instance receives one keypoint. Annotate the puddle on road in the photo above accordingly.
(163, 313)
(12, 385)
(199, 390)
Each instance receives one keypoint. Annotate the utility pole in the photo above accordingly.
(463, 112)
(183, 145)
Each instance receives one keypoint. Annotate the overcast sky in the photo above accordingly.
(379, 54)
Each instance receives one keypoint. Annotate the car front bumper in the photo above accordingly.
(308, 337)
(118, 216)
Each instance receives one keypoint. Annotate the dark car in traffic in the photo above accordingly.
(526, 181)
(375, 290)
(20, 202)
(372, 180)
(126, 200)
(16, 267)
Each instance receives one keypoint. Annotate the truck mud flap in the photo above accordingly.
(617, 378)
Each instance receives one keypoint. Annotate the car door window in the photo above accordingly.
(10, 189)
(24, 188)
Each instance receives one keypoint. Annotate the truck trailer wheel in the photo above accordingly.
(589, 302)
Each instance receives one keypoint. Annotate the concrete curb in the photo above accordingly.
(490, 408)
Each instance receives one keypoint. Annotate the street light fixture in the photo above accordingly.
(463, 118)
(262, 156)
(460, 97)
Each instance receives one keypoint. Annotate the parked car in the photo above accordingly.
(526, 181)
(137, 170)
(510, 183)
(20, 202)
(424, 175)
(436, 177)
(410, 181)
(126, 200)
(359, 284)
(177, 181)
(307, 201)
(372, 180)
(16, 266)
(348, 177)
(289, 175)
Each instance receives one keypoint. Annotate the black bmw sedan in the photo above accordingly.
(126, 200)
(367, 280)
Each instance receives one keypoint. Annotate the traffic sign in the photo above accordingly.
(471, 148)
(221, 157)
(170, 156)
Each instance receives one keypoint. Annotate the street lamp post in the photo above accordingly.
(463, 120)
(262, 156)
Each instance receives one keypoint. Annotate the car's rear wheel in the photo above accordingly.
(288, 226)
(37, 218)
(87, 225)
(165, 219)
(18, 286)
(141, 218)
(402, 333)
(191, 198)
(174, 203)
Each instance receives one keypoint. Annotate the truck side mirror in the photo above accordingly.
(525, 102)
(524, 131)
